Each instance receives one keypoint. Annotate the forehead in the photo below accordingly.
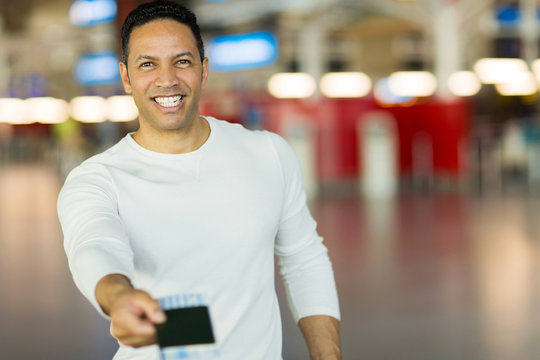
(161, 35)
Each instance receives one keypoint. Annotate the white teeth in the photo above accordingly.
(169, 101)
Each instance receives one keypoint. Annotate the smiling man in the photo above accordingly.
(194, 207)
(165, 74)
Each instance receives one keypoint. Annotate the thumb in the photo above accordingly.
(151, 308)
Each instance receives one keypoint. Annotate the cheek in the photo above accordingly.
(139, 84)
(194, 80)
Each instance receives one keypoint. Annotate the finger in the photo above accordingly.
(133, 318)
(131, 331)
(133, 322)
(150, 307)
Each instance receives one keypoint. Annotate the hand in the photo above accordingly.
(133, 312)
(133, 315)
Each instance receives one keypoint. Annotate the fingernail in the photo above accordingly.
(160, 316)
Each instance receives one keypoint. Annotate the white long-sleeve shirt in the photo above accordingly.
(206, 222)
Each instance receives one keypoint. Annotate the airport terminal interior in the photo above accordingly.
(416, 124)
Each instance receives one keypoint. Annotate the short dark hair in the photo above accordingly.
(156, 10)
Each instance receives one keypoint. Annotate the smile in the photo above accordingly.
(169, 101)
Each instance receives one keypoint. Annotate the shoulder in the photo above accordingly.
(109, 157)
(238, 133)
(231, 129)
(236, 136)
(265, 146)
(96, 167)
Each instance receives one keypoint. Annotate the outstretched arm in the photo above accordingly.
(133, 312)
(305, 267)
(321, 333)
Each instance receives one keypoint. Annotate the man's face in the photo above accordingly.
(165, 75)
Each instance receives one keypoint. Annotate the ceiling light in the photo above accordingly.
(46, 110)
(464, 83)
(385, 97)
(292, 85)
(12, 111)
(412, 83)
(345, 85)
(522, 84)
(121, 108)
(496, 71)
(536, 68)
(88, 109)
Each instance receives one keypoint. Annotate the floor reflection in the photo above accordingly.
(41, 312)
(505, 271)
(420, 277)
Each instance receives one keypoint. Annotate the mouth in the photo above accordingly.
(169, 101)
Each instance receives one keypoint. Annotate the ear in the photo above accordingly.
(125, 78)
(204, 72)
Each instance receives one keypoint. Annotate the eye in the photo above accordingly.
(146, 64)
(184, 62)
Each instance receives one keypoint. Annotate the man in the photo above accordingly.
(194, 205)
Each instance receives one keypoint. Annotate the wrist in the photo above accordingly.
(109, 289)
(327, 357)
(327, 354)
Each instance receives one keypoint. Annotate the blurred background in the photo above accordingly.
(416, 123)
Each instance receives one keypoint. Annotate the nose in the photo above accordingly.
(166, 77)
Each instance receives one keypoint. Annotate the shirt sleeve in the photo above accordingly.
(304, 264)
(95, 240)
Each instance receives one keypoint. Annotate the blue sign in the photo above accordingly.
(508, 16)
(243, 51)
(97, 69)
(84, 13)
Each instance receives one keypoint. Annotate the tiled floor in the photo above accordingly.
(431, 277)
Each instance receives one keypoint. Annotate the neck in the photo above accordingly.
(174, 141)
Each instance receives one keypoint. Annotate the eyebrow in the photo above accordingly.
(150, 57)
(185, 53)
